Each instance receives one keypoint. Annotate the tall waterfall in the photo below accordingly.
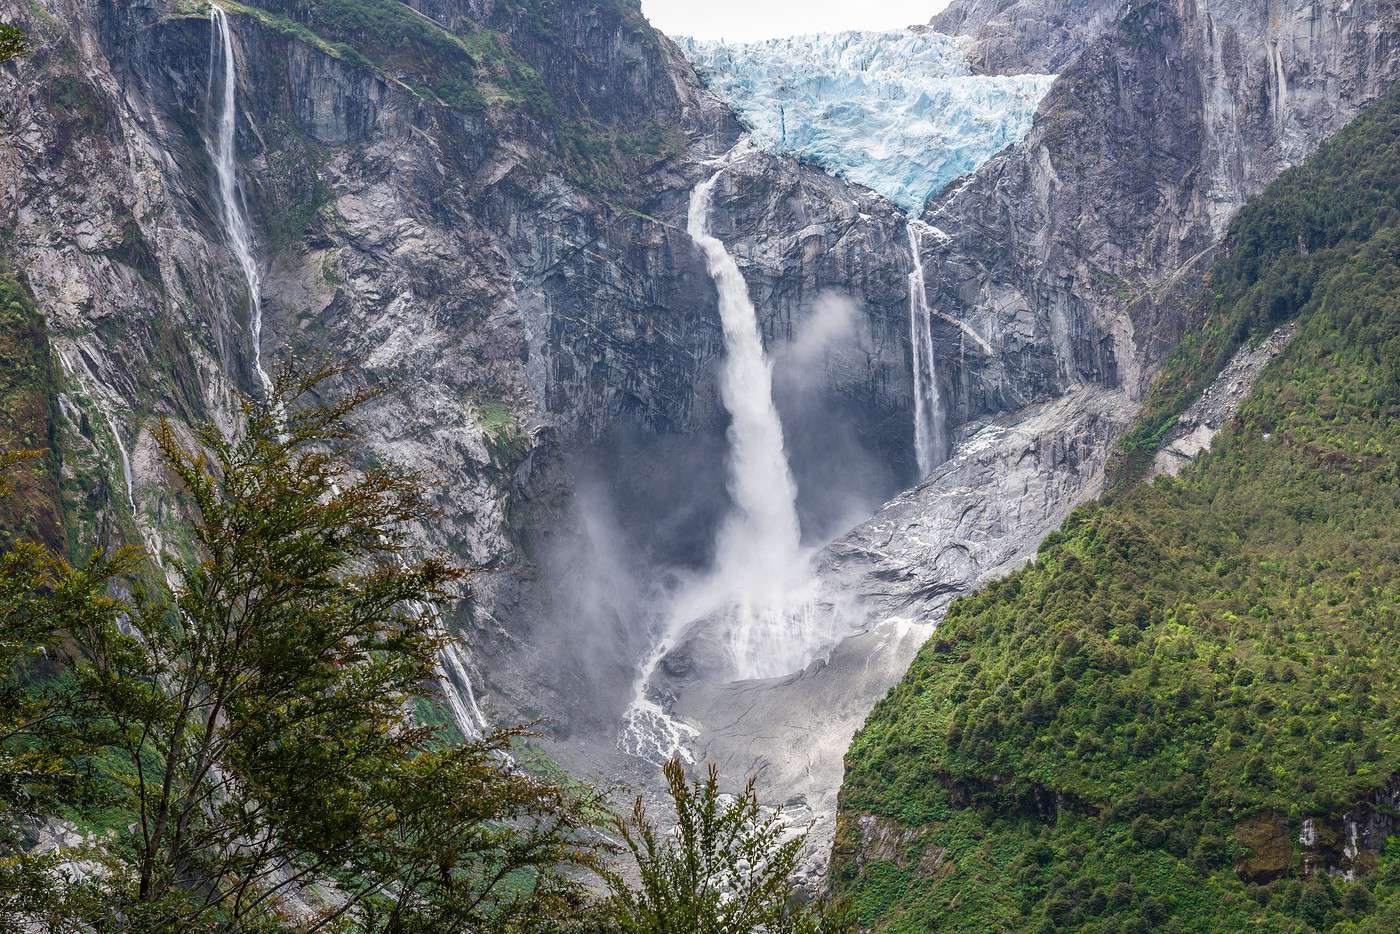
(756, 602)
(759, 544)
(223, 152)
(930, 446)
(453, 677)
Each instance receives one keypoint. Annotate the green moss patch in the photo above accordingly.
(27, 408)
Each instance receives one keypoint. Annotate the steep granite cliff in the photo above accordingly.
(481, 202)
(485, 201)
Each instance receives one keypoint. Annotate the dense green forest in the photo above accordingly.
(1130, 733)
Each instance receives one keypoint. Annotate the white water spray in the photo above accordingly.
(759, 544)
(223, 152)
(929, 441)
(757, 599)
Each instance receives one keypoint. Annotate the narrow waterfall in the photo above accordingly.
(453, 676)
(930, 446)
(456, 684)
(223, 153)
(126, 468)
(77, 372)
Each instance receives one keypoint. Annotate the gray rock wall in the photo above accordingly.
(523, 314)
(506, 303)
(1075, 258)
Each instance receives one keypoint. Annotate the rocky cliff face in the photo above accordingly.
(484, 202)
(1065, 270)
(1140, 155)
(1017, 36)
(1072, 258)
(1347, 846)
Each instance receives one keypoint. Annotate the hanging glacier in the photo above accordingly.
(899, 112)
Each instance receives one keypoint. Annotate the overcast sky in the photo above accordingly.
(743, 20)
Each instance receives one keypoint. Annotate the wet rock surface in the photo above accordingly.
(1347, 845)
(521, 313)
(792, 732)
(982, 513)
(1041, 36)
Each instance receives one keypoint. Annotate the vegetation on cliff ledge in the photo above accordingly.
(1130, 733)
(27, 381)
(479, 67)
(467, 71)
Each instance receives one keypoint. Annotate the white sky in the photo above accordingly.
(744, 20)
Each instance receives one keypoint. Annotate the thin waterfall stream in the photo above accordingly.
(223, 153)
(930, 445)
(453, 676)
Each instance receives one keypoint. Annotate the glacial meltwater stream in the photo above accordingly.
(930, 446)
(756, 599)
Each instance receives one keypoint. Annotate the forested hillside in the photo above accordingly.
(1183, 715)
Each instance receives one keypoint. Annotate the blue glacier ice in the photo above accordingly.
(899, 112)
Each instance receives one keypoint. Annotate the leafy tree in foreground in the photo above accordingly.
(41, 598)
(260, 710)
(725, 870)
(250, 718)
(478, 848)
(256, 709)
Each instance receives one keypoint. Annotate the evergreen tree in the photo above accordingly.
(726, 869)
(257, 707)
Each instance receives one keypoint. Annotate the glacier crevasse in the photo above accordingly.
(899, 112)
